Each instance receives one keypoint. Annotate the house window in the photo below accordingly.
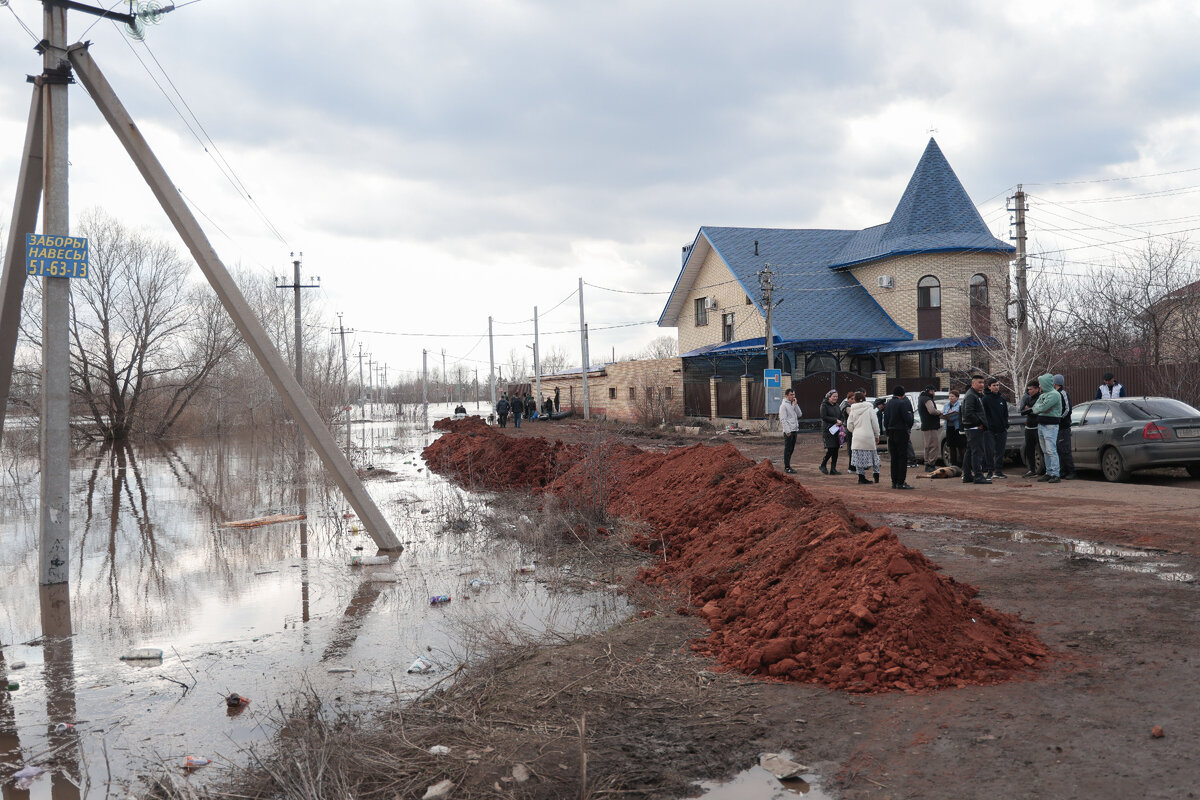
(981, 312)
(612, 393)
(929, 308)
(727, 327)
(701, 304)
(632, 393)
(930, 362)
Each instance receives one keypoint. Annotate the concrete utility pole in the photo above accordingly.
(445, 376)
(1022, 288)
(383, 389)
(583, 345)
(362, 387)
(251, 330)
(371, 383)
(477, 388)
(537, 364)
(764, 282)
(425, 381)
(341, 332)
(296, 286)
(491, 362)
(54, 521)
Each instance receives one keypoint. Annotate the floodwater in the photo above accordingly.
(267, 613)
(757, 783)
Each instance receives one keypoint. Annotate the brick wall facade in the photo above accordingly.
(619, 391)
(954, 270)
(717, 281)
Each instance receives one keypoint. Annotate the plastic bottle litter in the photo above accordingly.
(366, 561)
(439, 750)
(194, 762)
(420, 666)
(340, 670)
(525, 568)
(439, 599)
(64, 727)
(12, 686)
(479, 583)
(235, 700)
(143, 654)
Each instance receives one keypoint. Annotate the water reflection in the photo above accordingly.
(261, 612)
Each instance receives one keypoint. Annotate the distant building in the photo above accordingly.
(904, 301)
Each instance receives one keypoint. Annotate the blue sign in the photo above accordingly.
(773, 378)
(56, 256)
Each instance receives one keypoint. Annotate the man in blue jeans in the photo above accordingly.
(1048, 409)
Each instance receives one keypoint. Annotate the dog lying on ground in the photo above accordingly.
(943, 472)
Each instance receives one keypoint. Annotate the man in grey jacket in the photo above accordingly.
(789, 420)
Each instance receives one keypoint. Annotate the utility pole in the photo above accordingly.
(362, 387)
(371, 383)
(583, 345)
(1022, 288)
(491, 362)
(537, 364)
(445, 376)
(383, 388)
(767, 286)
(341, 332)
(54, 522)
(425, 381)
(296, 286)
(477, 388)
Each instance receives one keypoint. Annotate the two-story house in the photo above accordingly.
(904, 301)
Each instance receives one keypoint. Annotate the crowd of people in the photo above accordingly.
(523, 406)
(976, 420)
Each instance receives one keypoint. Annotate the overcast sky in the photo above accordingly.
(440, 162)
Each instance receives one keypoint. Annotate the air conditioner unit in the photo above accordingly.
(713, 304)
(885, 282)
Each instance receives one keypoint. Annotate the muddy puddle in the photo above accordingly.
(263, 613)
(757, 783)
(993, 542)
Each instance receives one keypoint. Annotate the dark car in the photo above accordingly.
(1132, 433)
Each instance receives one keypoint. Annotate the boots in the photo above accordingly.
(863, 478)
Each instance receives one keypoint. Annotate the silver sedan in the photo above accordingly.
(1132, 433)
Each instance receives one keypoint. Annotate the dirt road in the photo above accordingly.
(1121, 622)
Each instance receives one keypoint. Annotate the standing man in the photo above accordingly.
(996, 407)
(1066, 458)
(502, 407)
(1048, 409)
(1109, 389)
(789, 420)
(974, 424)
(1029, 454)
(898, 419)
(518, 408)
(931, 425)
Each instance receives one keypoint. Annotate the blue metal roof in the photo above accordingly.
(815, 302)
(935, 214)
(928, 344)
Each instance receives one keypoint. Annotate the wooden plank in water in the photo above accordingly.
(258, 522)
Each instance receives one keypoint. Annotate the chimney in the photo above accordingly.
(687, 248)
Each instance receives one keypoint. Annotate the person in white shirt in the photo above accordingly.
(789, 420)
(1110, 389)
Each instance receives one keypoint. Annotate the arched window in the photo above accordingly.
(981, 311)
(929, 308)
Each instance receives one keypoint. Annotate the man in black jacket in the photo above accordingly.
(996, 407)
(898, 419)
(1029, 454)
(974, 425)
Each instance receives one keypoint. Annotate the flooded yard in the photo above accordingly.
(267, 613)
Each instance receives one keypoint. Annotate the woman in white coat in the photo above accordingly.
(863, 425)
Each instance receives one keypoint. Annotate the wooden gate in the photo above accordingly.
(697, 400)
(729, 399)
(811, 389)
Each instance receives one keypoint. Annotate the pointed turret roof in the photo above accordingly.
(934, 214)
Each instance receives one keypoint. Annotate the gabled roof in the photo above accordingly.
(822, 303)
(817, 302)
(934, 214)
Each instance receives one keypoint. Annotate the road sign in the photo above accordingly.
(773, 378)
(56, 256)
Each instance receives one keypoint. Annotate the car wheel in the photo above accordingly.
(1194, 470)
(1039, 462)
(1113, 466)
(945, 453)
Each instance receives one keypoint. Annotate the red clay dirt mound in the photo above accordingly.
(471, 424)
(792, 588)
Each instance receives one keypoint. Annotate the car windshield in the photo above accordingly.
(1158, 408)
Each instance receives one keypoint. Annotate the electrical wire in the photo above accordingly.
(21, 22)
(620, 291)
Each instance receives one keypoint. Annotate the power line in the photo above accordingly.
(20, 21)
(619, 291)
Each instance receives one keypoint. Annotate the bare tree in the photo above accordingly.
(556, 360)
(661, 347)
